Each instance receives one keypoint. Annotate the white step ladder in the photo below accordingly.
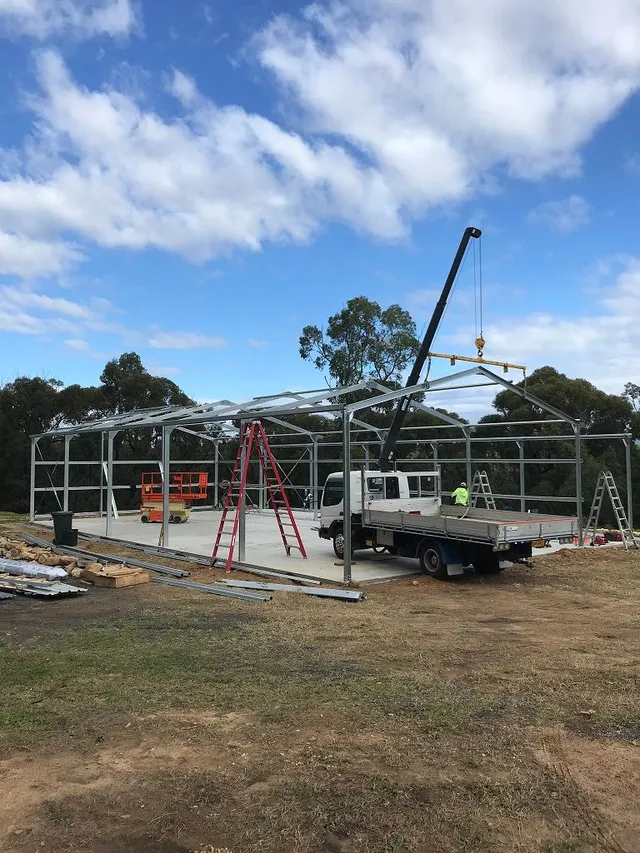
(608, 484)
(481, 489)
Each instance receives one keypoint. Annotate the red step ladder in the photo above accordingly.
(253, 434)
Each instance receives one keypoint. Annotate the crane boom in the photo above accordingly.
(387, 453)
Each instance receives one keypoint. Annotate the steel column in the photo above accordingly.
(627, 454)
(346, 505)
(166, 479)
(101, 474)
(32, 488)
(242, 517)
(578, 452)
(216, 472)
(261, 489)
(65, 481)
(315, 489)
(109, 519)
(523, 502)
(467, 439)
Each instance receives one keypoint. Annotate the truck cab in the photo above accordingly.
(389, 490)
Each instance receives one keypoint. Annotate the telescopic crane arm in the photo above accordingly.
(387, 454)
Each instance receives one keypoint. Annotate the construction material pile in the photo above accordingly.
(17, 550)
(38, 570)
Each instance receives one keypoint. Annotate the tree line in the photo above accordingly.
(362, 341)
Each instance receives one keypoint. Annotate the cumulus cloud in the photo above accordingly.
(564, 215)
(82, 18)
(397, 106)
(438, 92)
(600, 343)
(23, 256)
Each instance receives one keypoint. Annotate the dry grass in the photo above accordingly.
(494, 714)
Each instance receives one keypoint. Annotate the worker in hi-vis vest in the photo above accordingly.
(461, 495)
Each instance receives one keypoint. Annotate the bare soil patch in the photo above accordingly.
(491, 714)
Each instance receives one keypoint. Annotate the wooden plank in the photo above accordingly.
(122, 581)
(118, 581)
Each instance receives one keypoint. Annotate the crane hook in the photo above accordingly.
(480, 342)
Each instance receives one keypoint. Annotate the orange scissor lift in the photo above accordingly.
(184, 488)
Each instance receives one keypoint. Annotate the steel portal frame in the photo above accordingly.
(276, 408)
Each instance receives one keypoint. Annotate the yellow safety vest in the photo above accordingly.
(461, 496)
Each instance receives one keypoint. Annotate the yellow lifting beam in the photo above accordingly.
(505, 365)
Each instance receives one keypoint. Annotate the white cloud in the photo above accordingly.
(400, 105)
(25, 257)
(599, 342)
(563, 215)
(21, 323)
(185, 340)
(439, 92)
(633, 165)
(84, 18)
(77, 344)
(164, 371)
(15, 297)
(254, 342)
(184, 89)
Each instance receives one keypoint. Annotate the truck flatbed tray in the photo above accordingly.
(473, 524)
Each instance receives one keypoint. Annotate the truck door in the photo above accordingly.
(391, 488)
(332, 498)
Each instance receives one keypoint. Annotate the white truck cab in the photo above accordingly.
(395, 491)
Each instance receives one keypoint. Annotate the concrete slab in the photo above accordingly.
(263, 545)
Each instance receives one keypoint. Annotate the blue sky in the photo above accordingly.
(196, 181)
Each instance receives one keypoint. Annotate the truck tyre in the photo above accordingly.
(144, 519)
(338, 544)
(431, 561)
(489, 564)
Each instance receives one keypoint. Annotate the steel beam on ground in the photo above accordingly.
(215, 590)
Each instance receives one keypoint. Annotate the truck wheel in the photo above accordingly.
(338, 544)
(144, 519)
(431, 562)
(489, 564)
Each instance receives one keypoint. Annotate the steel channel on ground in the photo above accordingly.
(215, 590)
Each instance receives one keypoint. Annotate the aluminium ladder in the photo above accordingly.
(253, 435)
(481, 489)
(606, 483)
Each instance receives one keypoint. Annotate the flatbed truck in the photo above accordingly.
(387, 515)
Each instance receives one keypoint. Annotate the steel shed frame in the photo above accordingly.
(276, 408)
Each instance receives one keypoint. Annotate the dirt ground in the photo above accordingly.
(485, 714)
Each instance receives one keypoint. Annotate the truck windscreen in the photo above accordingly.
(333, 493)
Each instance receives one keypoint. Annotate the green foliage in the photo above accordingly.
(34, 406)
(362, 341)
(127, 385)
